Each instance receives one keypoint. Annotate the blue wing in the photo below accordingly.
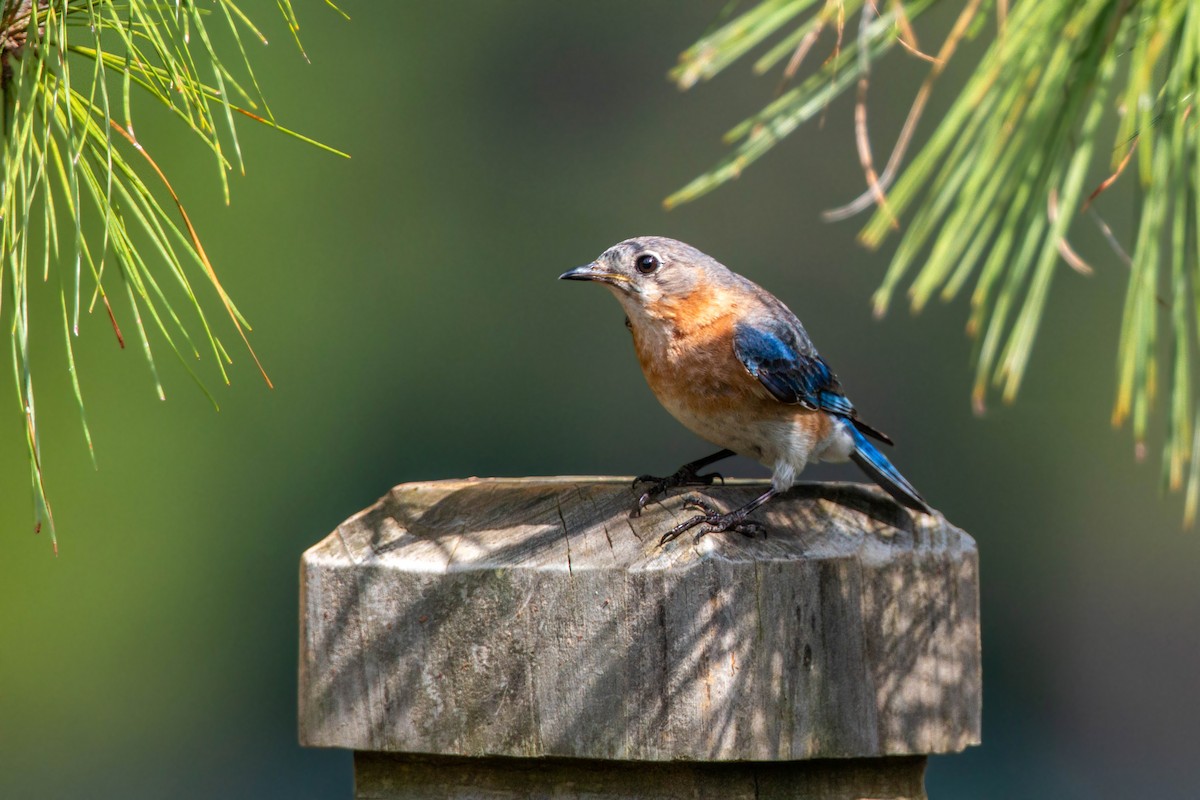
(784, 361)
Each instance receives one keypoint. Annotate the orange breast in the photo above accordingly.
(690, 365)
(693, 354)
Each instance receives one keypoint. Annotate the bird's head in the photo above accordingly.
(652, 276)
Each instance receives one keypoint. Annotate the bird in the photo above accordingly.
(734, 365)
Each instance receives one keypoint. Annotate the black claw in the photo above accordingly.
(686, 476)
(702, 503)
(713, 521)
(677, 530)
(641, 503)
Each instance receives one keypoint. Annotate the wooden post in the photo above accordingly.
(524, 638)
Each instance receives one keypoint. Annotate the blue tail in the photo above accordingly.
(875, 464)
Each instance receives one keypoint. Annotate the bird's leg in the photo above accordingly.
(684, 476)
(714, 521)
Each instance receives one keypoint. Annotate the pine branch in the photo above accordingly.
(993, 196)
(84, 199)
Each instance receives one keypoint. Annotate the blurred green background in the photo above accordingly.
(405, 304)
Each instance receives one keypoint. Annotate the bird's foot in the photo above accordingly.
(713, 521)
(685, 476)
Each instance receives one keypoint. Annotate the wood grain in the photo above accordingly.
(531, 617)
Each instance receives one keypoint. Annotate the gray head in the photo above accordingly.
(649, 274)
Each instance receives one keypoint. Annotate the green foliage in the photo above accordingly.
(84, 205)
(993, 193)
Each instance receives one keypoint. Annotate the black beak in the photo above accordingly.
(585, 273)
(592, 272)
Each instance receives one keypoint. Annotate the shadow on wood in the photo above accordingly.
(532, 618)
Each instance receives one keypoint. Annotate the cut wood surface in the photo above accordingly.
(532, 617)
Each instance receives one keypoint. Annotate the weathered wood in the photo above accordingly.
(531, 618)
(392, 776)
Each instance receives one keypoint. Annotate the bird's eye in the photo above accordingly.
(647, 263)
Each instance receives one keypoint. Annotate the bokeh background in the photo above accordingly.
(405, 304)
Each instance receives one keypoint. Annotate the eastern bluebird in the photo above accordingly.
(734, 365)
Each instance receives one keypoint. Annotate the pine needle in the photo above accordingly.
(79, 192)
(995, 192)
